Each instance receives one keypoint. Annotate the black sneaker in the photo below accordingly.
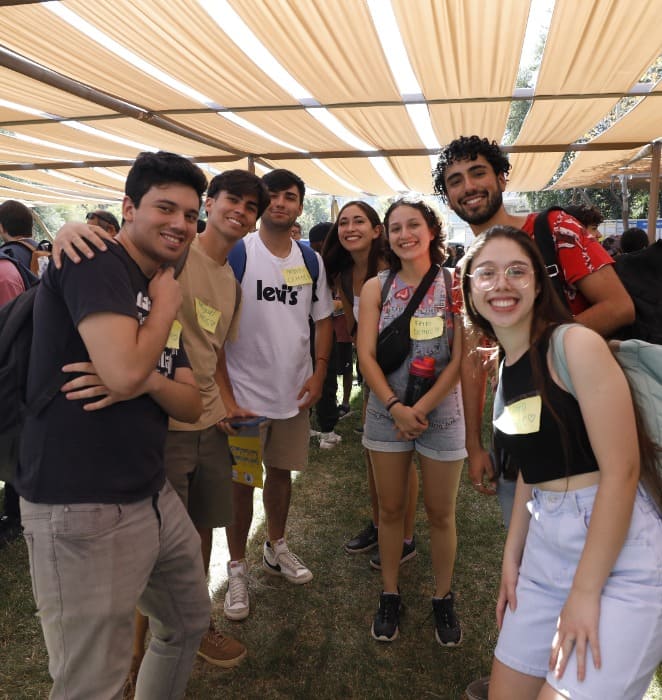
(447, 630)
(387, 618)
(364, 541)
(408, 552)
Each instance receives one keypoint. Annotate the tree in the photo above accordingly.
(316, 209)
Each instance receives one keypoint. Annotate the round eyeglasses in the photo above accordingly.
(486, 277)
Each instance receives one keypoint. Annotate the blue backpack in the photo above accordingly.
(237, 260)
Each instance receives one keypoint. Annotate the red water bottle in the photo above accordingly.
(421, 378)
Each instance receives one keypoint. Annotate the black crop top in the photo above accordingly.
(527, 431)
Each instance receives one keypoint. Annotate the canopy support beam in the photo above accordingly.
(654, 194)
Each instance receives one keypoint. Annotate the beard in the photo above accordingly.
(481, 216)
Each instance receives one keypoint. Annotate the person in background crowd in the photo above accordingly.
(589, 217)
(16, 232)
(328, 412)
(295, 231)
(103, 219)
(633, 239)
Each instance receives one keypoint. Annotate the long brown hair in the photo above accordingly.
(336, 258)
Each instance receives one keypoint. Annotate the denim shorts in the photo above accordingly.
(630, 628)
(443, 440)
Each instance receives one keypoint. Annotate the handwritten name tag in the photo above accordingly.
(207, 316)
(521, 417)
(174, 335)
(426, 328)
(297, 276)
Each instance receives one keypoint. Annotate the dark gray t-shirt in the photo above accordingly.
(69, 455)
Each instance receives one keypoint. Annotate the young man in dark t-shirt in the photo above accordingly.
(105, 531)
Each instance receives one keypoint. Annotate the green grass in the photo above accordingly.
(313, 641)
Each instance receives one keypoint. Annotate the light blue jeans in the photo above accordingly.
(91, 566)
(630, 626)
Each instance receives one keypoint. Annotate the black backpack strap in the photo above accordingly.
(387, 286)
(544, 239)
(421, 290)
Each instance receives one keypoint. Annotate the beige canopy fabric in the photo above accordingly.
(316, 86)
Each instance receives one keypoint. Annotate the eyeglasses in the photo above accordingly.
(485, 278)
(103, 223)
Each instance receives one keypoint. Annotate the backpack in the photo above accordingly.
(641, 363)
(15, 344)
(237, 260)
(640, 273)
(34, 258)
(8, 252)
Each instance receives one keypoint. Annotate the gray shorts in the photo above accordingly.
(443, 440)
(198, 464)
(630, 628)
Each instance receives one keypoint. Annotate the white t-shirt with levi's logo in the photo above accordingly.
(269, 360)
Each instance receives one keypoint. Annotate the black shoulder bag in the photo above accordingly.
(394, 341)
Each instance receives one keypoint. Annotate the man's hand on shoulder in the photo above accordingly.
(73, 240)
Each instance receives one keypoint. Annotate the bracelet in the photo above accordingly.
(322, 359)
(392, 403)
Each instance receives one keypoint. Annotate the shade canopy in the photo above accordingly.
(356, 96)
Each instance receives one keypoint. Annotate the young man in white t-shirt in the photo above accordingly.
(271, 372)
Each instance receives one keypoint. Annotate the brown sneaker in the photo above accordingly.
(220, 650)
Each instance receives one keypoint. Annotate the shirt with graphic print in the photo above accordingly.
(578, 254)
(69, 455)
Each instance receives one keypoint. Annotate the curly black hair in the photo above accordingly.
(468, 148)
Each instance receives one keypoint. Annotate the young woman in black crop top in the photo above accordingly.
(580, 601)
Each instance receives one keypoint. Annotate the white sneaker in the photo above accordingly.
(329, 440)
(237, 604)
(314, 433)
(279, 561)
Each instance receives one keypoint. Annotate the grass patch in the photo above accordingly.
(313, 641)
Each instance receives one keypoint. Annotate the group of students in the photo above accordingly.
(580, 602)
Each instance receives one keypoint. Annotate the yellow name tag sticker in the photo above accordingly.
(174, 335)
(207, 316)
(426, 328)
(521, 417)
(297, 276)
